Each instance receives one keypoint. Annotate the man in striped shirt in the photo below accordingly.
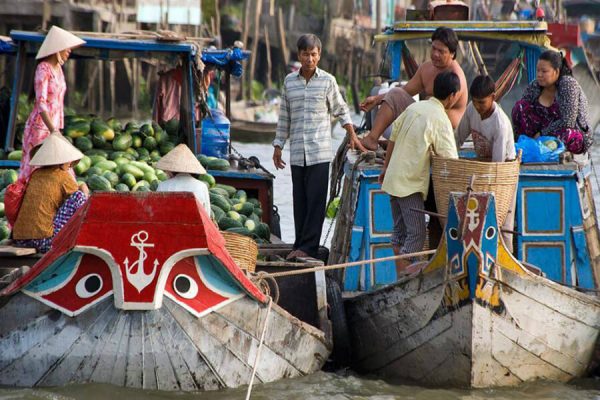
(310, 98)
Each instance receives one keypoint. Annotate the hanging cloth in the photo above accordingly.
(409, 62)
(510, 76)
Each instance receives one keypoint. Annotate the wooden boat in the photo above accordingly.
(147, 302)
(245, 127)
(473, 315)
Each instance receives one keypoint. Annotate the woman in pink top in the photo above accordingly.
(50, 87)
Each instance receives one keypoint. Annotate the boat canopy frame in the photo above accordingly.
(530, 35)
(108, 47)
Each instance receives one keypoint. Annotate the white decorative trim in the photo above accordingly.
(58, 287)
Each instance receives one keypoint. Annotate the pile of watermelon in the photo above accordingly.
(122, 157)
(235, 212)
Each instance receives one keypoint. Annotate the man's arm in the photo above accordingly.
(283, 129)
(463, 131)
(339, 109)
(458, 109)
(413, 86)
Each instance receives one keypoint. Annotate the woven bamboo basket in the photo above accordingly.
(454, 175)
(242, 249)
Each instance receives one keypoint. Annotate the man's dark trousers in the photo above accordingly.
(310, 197)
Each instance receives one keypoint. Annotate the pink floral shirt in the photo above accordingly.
(50, 88)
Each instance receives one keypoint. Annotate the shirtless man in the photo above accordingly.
(443, 53)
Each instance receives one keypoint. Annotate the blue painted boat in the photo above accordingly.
(437, 326)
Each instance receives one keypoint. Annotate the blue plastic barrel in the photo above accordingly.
(215, 134)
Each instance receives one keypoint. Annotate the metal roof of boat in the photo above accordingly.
(115, 42)
(530, 32)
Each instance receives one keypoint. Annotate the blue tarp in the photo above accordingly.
(228, 59)
(7, 47)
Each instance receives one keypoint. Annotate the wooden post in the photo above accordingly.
(245, 42)
(113, 88)
(378, 31)
(282, 39)
(255, 39)
(218, 23)
(268, 50)
(101, 87)
(136, 88)
(14, 99)
(46, 14)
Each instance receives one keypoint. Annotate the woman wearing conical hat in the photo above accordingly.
(182, 163)
(52, 195)
(50, 87)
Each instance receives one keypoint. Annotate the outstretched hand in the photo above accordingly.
(277, 160)
(369, 103)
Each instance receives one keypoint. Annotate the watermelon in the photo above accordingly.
(4, 231)
(83, 143)
(129, 180)
(220, 191)
(250, 225)
(217, 212)
(75, 129)
(120, 161)
(137, 141)
(172, 126)
(94, 171)
(131, 169)
(143, 154)
(218, 164)
(161, 175)
(122, 142)
(239, 230)
(150, 143)
(98, 141)
(219, 201)
(226, 223)
(121, 187)
(262, 230)
(146, 130)
(228, 188)
(166, 147)
(114, 124)
(244, 208)
(82, 166)
(160, 136)
(241, 195)
(95, 159)
(111, 177)
(155, 155)
(133, 153)
(15, 155)
(208, 179)
(98, 182)
(132, 126)
(1, 210)
(9, 176)
(120, 154)
(106, 165)
(97, 152)
(141, 186)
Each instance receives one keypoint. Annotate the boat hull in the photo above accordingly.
(163, 349)
(523, 328)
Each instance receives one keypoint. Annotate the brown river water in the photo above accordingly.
(343, 385)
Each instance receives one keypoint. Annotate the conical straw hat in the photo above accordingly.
(181, 159)
(55, 150)
(57, 40)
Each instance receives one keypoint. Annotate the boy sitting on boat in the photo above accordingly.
(487, 124)
(405, 176)
(491, 131)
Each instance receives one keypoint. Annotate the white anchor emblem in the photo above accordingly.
(135, 272)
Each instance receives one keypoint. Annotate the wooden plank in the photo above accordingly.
(268, 51)
(39, 359)
(150, 378)
(70, 363)
(255, 40)
(165, 375)
(134, 370)
(303, 345)
(16, 251)
(285, 55)
(204, 377)
(183, 375)
(229, 369)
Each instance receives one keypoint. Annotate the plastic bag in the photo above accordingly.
(13, 197)
(540, 150)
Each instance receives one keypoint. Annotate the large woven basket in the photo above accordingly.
(243, 250)
(454, 175)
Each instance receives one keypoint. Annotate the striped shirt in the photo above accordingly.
(305, 117)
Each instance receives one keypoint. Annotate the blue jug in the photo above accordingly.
(215, 134)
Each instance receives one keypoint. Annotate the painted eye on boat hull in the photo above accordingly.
(89, 286)
(453, 232)
(490, 232)
(185, 286)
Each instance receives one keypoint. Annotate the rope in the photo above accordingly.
(351, 264)
(260, 346)
(267, 284)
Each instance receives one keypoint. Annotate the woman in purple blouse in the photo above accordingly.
(554, 105)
